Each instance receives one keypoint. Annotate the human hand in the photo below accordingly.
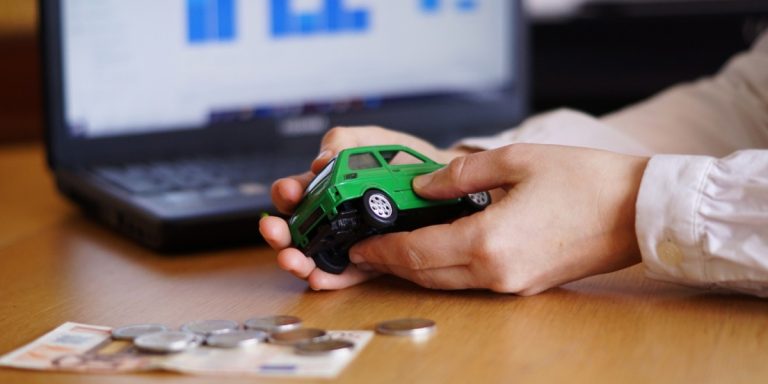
(567, 213)
(288, 192)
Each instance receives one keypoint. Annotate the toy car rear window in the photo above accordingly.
(360, 161)
(400, 158)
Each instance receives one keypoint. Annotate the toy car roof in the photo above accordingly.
(385, 148)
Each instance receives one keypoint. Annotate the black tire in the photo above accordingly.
(477, 201)
(379, 210)
(331, 261)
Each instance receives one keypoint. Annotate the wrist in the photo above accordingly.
(635, 176)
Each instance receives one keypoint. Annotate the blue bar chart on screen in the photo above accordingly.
(191, 64)
(214, 20)
(435, 6)
(332, 17)
(210, 20)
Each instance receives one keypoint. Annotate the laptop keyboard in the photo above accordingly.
(219, 176)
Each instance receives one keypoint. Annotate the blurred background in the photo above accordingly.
(593, 55)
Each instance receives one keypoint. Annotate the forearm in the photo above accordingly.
(714, 116)
(561, 127)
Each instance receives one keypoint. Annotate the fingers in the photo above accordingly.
(435, 246)
(288, 192)
(335, 140)
(320, 280)
(481, 171)
(450, 278)
(275, 231)
(321, 160)
(441, 266)
(295, 262)
(303, 267)
(340, 138)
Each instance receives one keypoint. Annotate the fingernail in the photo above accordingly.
(422, 181)
(322, 154)
(355, 258)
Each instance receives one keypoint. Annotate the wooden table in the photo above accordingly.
(57, 266)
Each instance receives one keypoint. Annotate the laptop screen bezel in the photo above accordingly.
(437, 120)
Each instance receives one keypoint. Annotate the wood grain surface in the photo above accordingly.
(57, 266)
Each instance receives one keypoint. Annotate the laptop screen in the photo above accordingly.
(145, 66)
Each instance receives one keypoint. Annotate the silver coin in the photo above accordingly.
(236, 339)
(406, 327)
(130, 332)
(210, 327)
(167, 341)
(273, 324)
(297, 336)
(324, 347)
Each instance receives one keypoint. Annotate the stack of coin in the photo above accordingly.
(406, 327)
(210, 327)
(281, 330)
(297, 336)
(167, 341)
(273, 324)
(131, 332)
(236, 339)
(324, 347)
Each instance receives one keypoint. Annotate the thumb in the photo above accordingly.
(481, 171)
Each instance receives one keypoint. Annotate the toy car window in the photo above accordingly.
(363, 161)
(320, 176)
(400, 158)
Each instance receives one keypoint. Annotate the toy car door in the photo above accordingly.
(404, 166)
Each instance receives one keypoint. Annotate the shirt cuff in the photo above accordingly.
(667, 207)
(702, 221)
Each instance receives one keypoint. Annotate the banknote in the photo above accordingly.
(90, 349)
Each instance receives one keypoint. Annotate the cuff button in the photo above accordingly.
(669, 253)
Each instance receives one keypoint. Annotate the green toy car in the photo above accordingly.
(366, 191)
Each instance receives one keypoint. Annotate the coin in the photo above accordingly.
(210, 327)
(236, 339)
(167, 341)
(324, 347)
(297, 336)
(406, 327)
(274, 324)
(130, 332)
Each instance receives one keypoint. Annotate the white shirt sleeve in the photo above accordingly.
(703, 221)
(700, 220)
(563, 127)
(714, 116)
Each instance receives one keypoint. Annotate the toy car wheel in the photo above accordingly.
(331, 261)
(478, 201)
(380, 210)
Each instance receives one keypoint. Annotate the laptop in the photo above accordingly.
(168, 120)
